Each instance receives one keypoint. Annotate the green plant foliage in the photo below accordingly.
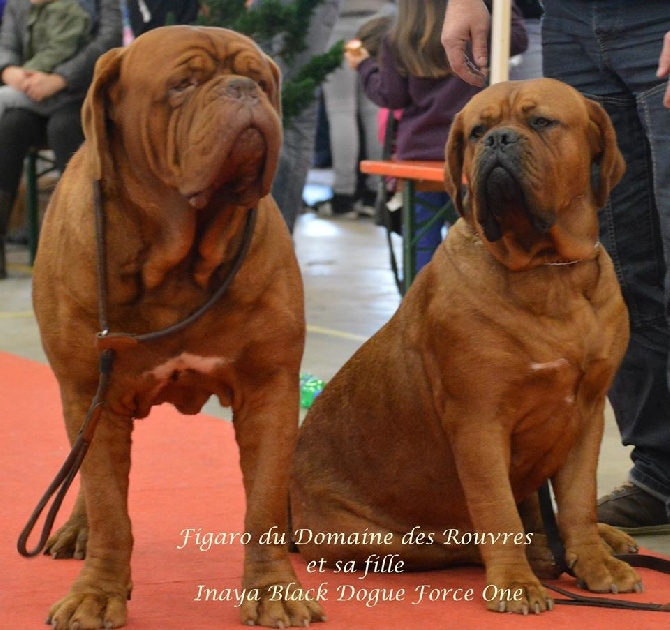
(280, 30)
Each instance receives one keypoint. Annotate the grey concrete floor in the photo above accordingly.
(349, 292)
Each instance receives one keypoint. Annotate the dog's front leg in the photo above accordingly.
(98, 597)
(266, 428)
(481, 452)
(575, 491)
(70, 540)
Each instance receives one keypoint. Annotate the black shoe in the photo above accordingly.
(337, 206)
(633, 511)
(365, 204)
(18, 237)
(322, 160)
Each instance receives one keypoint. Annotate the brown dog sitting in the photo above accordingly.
(183, 131)
(491, 377)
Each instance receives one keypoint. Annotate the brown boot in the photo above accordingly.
(6, 205)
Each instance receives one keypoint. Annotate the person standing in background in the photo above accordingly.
(529, 64)
(412, 75)
(297, 149)
(145, 15)
(617, 52)
(347, 107)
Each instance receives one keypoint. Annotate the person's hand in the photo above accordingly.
(467, 21)
(15, 76)
(354, 53)
(40, 85)
(664, 67)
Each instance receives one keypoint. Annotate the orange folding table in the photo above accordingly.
(412, 177)
(424, 176)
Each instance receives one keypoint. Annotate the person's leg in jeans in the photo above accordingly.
(608, 50)
(19, 130)
(426, 204)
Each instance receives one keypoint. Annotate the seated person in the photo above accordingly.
(62, 90)
(56, 30)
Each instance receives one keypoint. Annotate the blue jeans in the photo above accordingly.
(609, 50)
(425, 206)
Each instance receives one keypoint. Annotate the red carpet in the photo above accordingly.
(185, 475)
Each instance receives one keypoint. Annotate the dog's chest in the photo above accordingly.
(549, 407)
(549, 388)
(186, 381)
(171, 370)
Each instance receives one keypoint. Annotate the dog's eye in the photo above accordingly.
(477, 132)
(183, 85)
(178, 92)
(540, 122)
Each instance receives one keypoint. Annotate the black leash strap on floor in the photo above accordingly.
(575, 599)
(558, 551)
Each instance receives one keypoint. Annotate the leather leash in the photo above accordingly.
(558, 551)
(108, 343)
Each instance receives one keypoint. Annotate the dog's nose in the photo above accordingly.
(241, 88)
(500, 138)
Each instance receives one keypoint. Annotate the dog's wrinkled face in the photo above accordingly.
(197, 108)
(525, 151)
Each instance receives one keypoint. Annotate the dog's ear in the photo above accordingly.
(275, 93)
(454, 154)
(95, 110)
(611, 165)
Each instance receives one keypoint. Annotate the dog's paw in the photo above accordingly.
(596, 570)
(615, 540)
(69, 541)
(541, 559)
(89, 610)
(517, 594)
(280, 606)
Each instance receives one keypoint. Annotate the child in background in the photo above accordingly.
(57, 29)
(413, 75)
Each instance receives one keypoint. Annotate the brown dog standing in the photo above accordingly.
(491, 377)
(183, 130)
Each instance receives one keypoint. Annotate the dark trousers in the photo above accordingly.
(21, 129)
(609, 50)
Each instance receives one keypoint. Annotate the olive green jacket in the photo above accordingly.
(56, 30)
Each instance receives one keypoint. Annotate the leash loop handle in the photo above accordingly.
(63, 480)
(61, 484)
(575, 599)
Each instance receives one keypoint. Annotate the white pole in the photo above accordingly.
(500, 36)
